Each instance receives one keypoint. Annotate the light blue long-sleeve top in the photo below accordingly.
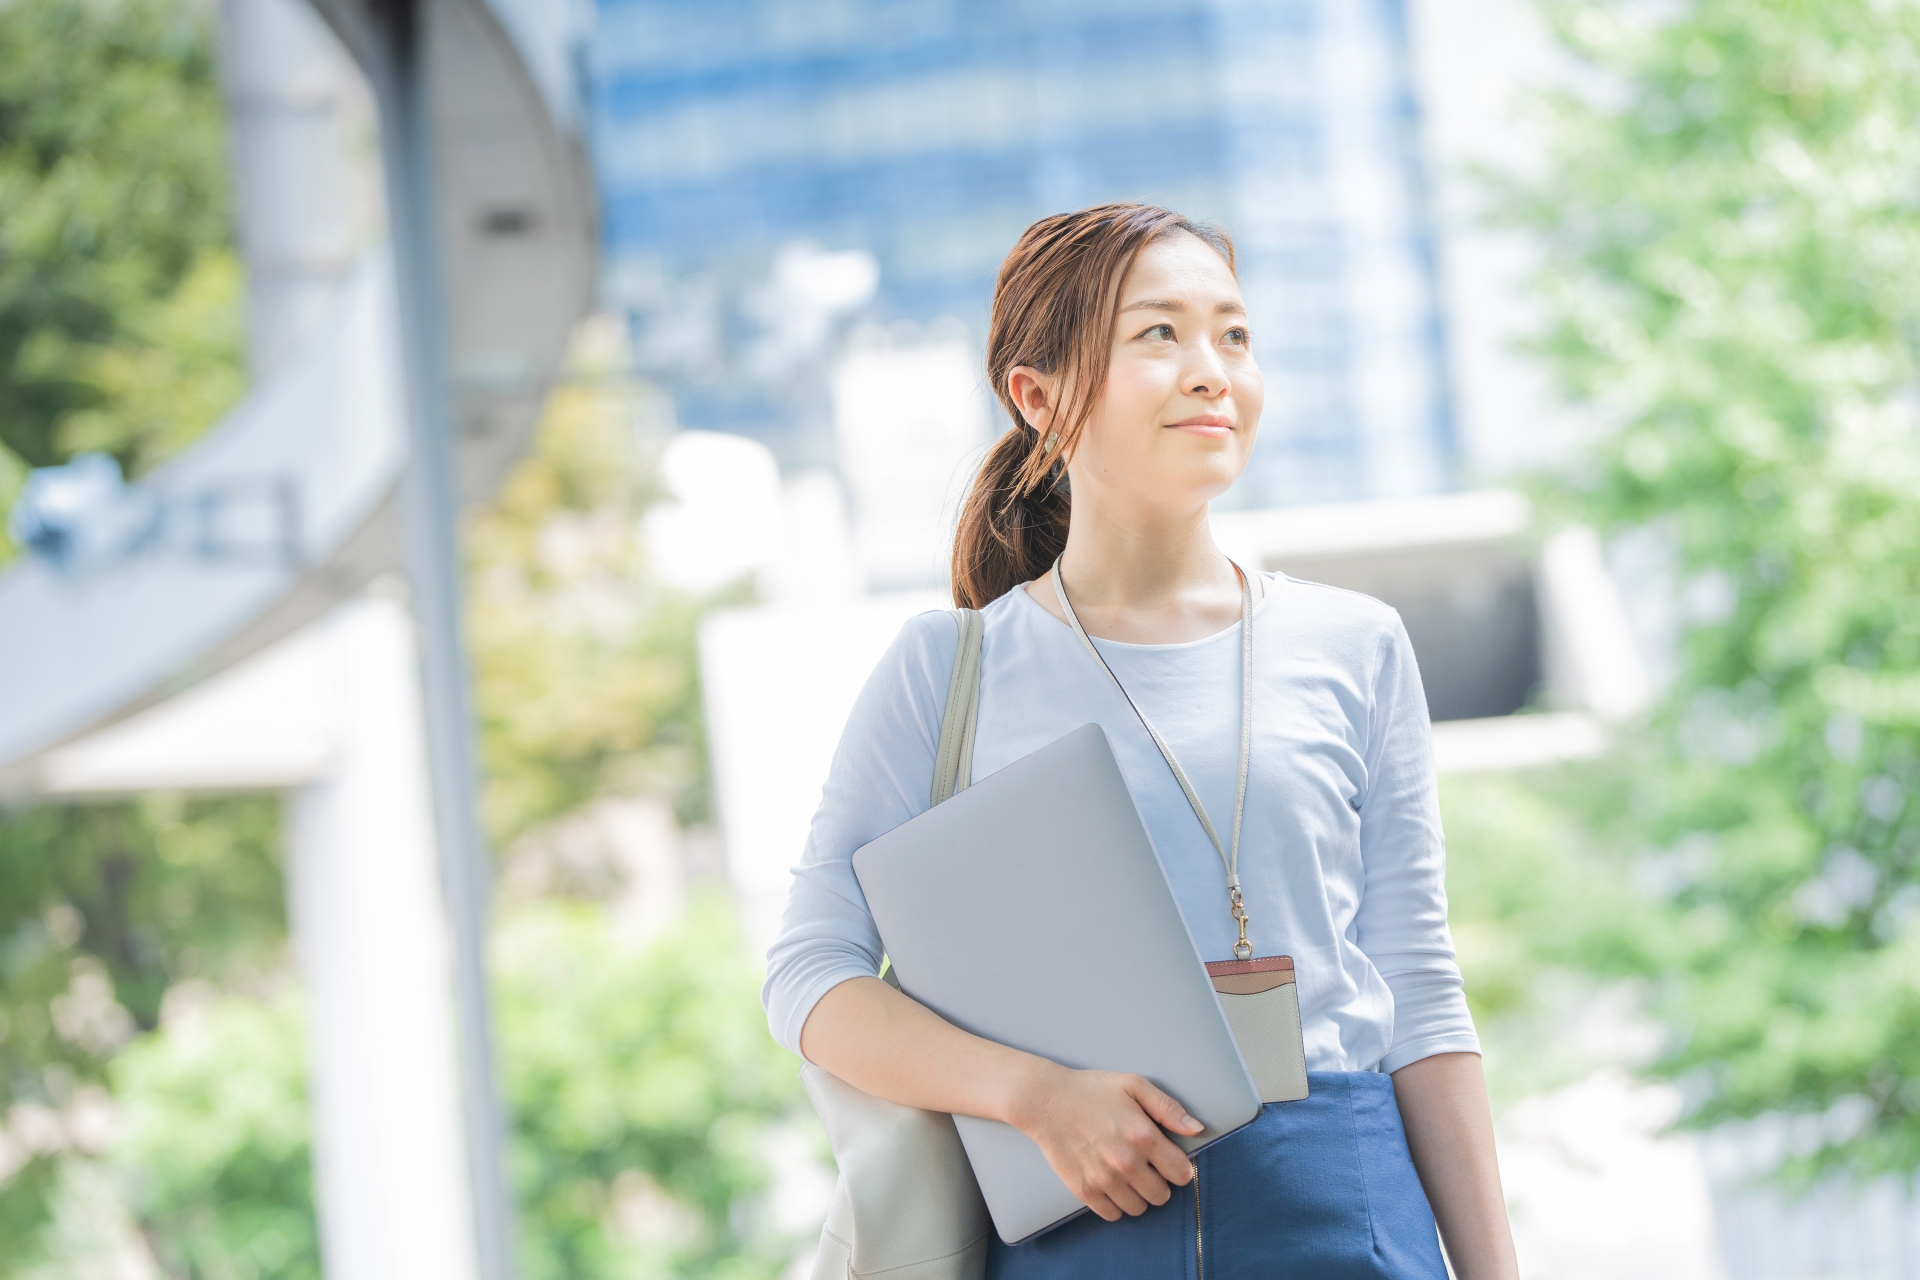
(1342, 862)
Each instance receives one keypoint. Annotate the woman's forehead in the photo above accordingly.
(1179, 268)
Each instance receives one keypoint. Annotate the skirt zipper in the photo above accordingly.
(1199, 1240)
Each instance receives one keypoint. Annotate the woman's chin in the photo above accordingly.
(1205, 472)
(1187, 493)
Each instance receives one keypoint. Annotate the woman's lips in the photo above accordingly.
(1211, 425)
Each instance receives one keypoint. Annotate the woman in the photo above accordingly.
(1121, 348)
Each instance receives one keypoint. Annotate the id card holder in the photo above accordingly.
(1262, 1004)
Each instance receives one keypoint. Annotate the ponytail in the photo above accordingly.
(1053, 310)
(1009, 533)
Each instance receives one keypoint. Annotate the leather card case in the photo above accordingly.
(1261, 1001)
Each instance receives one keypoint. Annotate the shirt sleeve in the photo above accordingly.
(881, 774)
(1402, 922)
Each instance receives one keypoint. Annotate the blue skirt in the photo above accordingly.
(1321, 1189)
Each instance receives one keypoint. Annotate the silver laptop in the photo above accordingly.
(1030, 909)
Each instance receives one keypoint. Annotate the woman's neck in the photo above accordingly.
(1144, 577)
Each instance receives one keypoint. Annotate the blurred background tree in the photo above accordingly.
(120, 332)
(103, 910)
(583, 661)
(232, 1198)
(643, 1088)
(645, 1093)
(1730, 226)
(120, 324)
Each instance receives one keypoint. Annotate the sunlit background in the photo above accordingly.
(1591, 333)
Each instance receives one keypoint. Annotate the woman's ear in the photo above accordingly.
(1032, 393)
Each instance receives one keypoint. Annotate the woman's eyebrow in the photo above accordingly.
(1171, 304)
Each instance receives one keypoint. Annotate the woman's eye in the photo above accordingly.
(1239, 337)
(1164, 332)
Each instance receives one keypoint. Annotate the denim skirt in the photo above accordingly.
(1321, 1189)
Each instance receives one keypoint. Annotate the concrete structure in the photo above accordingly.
(218, 633)
(517, 201)
(1499, 627)
(331, 717)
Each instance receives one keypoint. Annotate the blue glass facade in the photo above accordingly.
(928, 133)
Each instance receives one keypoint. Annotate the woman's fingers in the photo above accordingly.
(1168, 1160)
(1132, 1179)
(1171, 1163)
(1128, 1198)
(1164, 1110)
(1145, 1182)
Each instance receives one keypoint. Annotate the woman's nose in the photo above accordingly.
(1206, 376)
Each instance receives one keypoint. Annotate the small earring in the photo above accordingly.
(1053, 438)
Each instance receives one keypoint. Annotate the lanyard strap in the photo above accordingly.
(1231, 861)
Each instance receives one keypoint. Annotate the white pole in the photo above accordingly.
(394, 1193)
(370, 934)
(402, 31)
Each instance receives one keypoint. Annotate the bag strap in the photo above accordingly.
(953, 758)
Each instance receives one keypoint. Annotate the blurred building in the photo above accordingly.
(797, 196)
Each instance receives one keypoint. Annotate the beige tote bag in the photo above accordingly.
(906, 1206)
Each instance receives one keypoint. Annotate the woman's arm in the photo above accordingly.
(1443, 1104)
(1100, 1130)
(1402, 928)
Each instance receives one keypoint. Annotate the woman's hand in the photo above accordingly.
(1101, 1132)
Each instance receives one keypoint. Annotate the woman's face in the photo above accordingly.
(1175, 422)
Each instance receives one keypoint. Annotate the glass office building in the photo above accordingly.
(785, 180)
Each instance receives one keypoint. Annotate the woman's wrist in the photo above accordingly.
(1024, 1090)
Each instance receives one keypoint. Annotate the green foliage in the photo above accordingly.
(1524, 871)
(1733, 243)
(119, 295)
(102, 907)
(643, 1083)
(146, 893)
(120, 308)
(213, 1118)
(584, 666)
(26, 1203)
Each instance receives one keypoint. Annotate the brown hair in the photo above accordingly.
(1053, 310)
